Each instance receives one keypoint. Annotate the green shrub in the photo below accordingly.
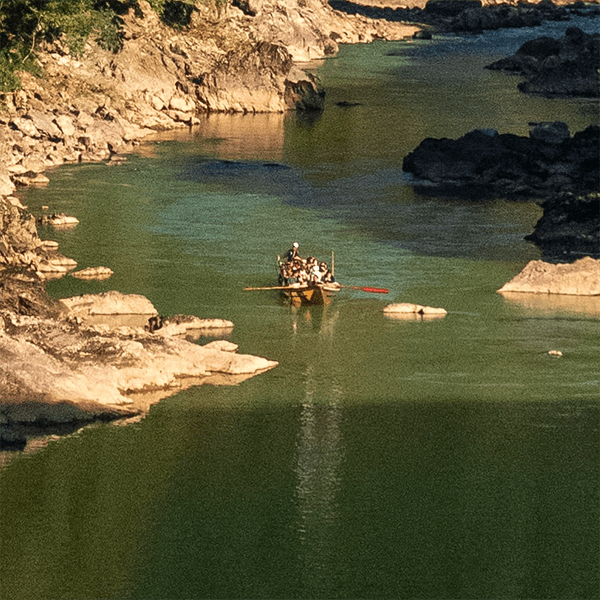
(24, 24)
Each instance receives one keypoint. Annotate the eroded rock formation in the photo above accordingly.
(569, 227)
(557, 67)
(580, 278)
(550, 160)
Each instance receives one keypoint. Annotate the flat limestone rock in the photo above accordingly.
(189, 324)
(407, 310)
(60, 221)
(109, 303)
(222, 345)
(93, 273)
(581, 278)
(59, 374)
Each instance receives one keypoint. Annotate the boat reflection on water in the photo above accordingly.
(319, 449)
(320, 454)
(318, 318)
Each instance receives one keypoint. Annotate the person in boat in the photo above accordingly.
(326, 274)
(299, 272)
(285, 273)
(292, 254)
(314, 272)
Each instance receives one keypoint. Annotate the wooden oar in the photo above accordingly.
(371, 290)
(275, 287)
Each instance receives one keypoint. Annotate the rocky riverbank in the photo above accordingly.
(63, 365)
(228, 57)
(70, 362)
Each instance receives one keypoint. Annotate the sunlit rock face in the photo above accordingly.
(580, 278)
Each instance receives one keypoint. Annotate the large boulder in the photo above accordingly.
(557, 67)
(258, 78)
(507, 165)
(580, 278)
(569, 226)
(109, 303)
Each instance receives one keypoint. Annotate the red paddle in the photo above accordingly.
(371, 290)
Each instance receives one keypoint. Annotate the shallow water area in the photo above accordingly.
(383, 458)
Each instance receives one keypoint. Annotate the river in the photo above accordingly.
(383, 458)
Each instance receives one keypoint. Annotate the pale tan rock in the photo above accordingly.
(50, 363)
(403, 309)
(99, 273)
(31, 178)
(109, 303)
(56, 264)
(581, 278)
(222, 345)
(25, 126)
(44, 378)
(432, 311)
(49, 245)
(16, 203)
(44, 123)
(65, 124)
(60, 220)
(7, 186)
(182, 104)
(187, 324)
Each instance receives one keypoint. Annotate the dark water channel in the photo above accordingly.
(447, 458)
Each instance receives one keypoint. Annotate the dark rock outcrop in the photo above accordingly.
(557, 67)
(569, 227)
(487, 163)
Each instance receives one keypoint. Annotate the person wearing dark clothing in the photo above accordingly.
(292, 253)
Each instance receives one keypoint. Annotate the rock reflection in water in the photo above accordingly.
(588, 306)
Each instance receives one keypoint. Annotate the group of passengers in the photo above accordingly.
(295, 269)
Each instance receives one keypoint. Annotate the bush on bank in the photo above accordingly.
(26, 25)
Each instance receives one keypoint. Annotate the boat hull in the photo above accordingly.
(310, 294)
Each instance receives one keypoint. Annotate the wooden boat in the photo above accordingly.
(316, 291)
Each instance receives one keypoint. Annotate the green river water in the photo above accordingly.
(383, 458)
